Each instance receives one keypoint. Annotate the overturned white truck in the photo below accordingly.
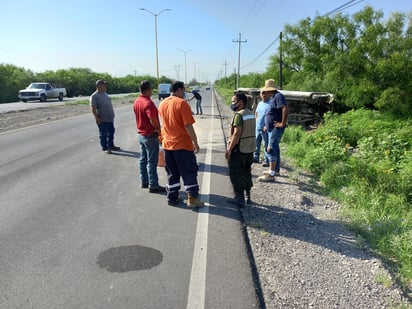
(305, 108)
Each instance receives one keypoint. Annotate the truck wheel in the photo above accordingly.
(43, 98)
(61, 97)
(24, 100)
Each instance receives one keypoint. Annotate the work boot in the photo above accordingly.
(194, 202)
(248, 199)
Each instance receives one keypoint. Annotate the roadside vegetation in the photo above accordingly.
(361, 153)
(363, 158)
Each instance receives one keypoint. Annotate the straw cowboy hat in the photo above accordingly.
(269, 85)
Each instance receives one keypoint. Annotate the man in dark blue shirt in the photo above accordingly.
(275, 123)
(198, 97)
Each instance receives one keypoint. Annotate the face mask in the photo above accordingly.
(233, 107)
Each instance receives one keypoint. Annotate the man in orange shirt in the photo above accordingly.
(180, 145)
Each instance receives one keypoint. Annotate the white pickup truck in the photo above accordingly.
(42, 92)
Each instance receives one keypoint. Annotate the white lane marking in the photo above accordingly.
(197, 285)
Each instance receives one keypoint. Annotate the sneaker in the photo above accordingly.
(268, 173)
(265, 164)
(158, 189)
(115, 148)
(108, 151)
(144, 186)
(266, 178)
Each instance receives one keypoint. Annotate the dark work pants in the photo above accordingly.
(240, 170)
(181, 163)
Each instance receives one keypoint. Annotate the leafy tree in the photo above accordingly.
(13, 79)
(365, 62)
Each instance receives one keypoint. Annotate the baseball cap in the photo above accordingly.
(100, 82)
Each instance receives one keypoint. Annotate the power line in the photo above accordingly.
(261, 54)
(343, 7)
(250, 19)
(351, 5)
(336, 10)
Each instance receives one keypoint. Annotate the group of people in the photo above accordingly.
(178, 139)
(247, 133)
(176, 136)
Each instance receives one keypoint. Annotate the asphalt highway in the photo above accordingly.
(76, 230)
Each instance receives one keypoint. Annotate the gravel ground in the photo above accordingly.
(303, 255)
(23, 118)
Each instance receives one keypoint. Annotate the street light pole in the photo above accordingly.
(157, 52)
(185, 52)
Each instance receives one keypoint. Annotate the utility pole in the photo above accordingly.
(238, 59)
(225, 64)
(280, 63)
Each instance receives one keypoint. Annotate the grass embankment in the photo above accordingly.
(130, 98)
(364, 159)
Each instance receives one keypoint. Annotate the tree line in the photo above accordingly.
(364, 60)
(77, 81)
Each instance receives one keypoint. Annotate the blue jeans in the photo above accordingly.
(199, 106)
(106, 135)
(274, 140)
(261, 136)
(149, 156)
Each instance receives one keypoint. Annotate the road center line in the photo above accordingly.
(197, 285)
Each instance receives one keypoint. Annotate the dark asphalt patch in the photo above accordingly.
(129, 258)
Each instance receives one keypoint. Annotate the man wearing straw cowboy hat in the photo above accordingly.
(275, 124)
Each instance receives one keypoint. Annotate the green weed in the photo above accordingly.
(363, 158)
(384, 279)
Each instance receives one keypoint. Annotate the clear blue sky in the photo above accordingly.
(116, 37)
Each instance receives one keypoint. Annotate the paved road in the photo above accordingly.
(76, 231)
(7, 107)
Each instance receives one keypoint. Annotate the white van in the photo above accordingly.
(164, 91)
